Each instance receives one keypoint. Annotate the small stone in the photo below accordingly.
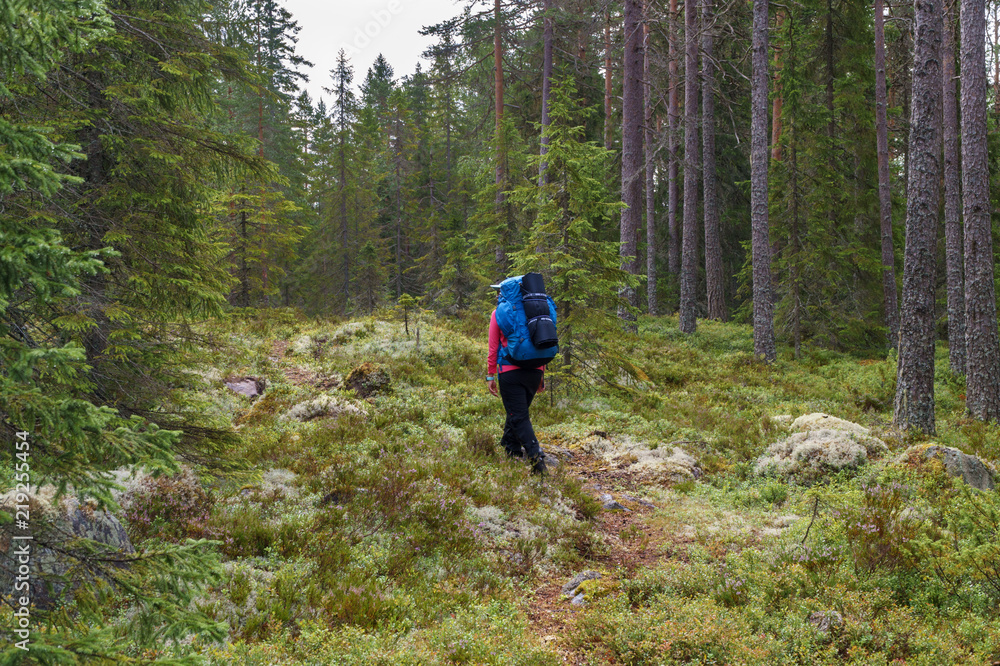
(578, 600)
(826, 620)
(368, 379)
(251, 387)
(569, 588)
(637, 500)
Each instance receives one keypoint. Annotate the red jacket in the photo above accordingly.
(497, 338)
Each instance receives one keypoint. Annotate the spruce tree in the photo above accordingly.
(564, 244)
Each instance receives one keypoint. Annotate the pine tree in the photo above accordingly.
(763, 307)
(890, 304)
(983, 349)
(914, 404)
(714, 277)
(692, 160)
(952, 201)
(632, 157)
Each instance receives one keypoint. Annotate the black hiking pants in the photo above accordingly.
(517, 390)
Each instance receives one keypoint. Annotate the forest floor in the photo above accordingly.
(374, 522)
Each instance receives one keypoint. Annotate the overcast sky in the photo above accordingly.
(364, 28)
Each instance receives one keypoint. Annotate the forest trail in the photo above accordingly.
(632, 542)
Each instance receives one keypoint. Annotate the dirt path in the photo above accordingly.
(631, 540)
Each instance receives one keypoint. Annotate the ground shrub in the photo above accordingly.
(881, 526)
(169, 508)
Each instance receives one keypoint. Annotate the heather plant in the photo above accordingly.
(171, 509)
(880, 528)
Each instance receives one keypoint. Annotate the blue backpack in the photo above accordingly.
(527, 317)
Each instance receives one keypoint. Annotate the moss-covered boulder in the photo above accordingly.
(972, 470)
(67, 535)
(368, 379)
(821, 421)
(807, 456)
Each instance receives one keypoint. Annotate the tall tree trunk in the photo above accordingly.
(398, 152)
(914, 404)
(714, 278)
(907, 86)
(889, 299)
(343, 218)
(996, 60)
(952, 201)
(548, 39)
(763, 306)
(673, 113)
(795, 244)
(608, 108)
(794, 248)
(501, 251)
(632, 138)
(778, 100)
(830, 72)
(983, 355)
(689, 240)
(651, 241)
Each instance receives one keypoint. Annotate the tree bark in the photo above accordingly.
(914, 404)
(714, 278)
(651, 241)
(548, 39)
(952, 201)
(673, 113)
(763, 307)
(982, 352)
(632, 162)
(501, 252)
(890, 303)
(343, 218)
(778, 101)
(608, 109)
(689, 233)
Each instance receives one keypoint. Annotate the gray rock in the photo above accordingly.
(558, 452)
(970, 469)
(578, 600)
(248, 386)
(826, 620)
(609, 504)
(638, 500)
(54, 547)
(569, 588)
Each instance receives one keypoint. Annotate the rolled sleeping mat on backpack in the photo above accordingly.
(543, 331)
(536, 303)
(532, 283)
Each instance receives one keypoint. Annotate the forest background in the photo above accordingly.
(160, 165)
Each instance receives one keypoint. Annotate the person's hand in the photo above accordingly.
(493, 387)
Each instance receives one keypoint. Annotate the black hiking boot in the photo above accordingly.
(538, 465)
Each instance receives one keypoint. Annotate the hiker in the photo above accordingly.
(515, 380)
